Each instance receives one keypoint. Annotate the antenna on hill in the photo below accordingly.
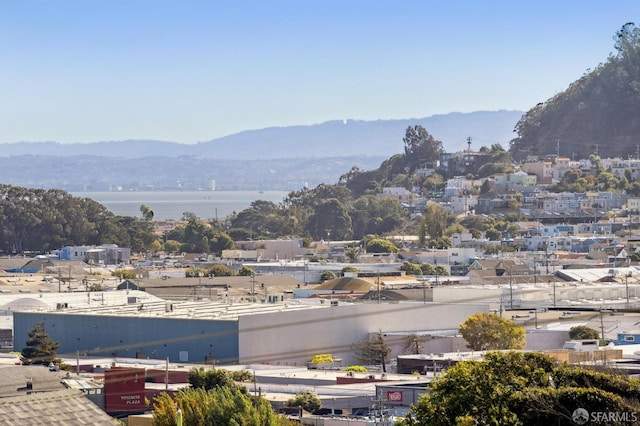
(469, 144)
(558, 148)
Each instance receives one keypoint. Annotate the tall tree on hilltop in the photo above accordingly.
(420, 148)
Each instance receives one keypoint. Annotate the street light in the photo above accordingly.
(626, 284)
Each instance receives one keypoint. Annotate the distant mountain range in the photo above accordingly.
(277, 158)
(329, 139)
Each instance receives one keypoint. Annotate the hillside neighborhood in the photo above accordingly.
(571, 259)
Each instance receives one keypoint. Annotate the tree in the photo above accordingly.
(147, 213)
(372, 350)
(352, 253)
(155, 246)
(327, 275)
(172, 246)
(420, 148)
(308, 401)
(331, 220)
(124, 274)
(627, 40)
(210, 379)
(39, 221)
(371, 215)
(220, 271)
(246, 271)
(348, 269)
(223, 405)
(412, 268)
(486, 331)
(412, 343)
(435, 220)
(521, 388)
(378, 245)
(40, 349)
(580, 332)
(221, 241)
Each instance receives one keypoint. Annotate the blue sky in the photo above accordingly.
(189, 71)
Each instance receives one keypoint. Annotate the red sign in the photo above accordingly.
(395, 396)
(123, 390)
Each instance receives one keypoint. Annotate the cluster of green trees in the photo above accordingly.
(524, 388)
(417, 267)
(38, 220)
(596, 111)
(214, 398)
(34, 220)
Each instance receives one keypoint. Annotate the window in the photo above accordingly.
(629, 338)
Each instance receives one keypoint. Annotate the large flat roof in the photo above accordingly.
(151, 307)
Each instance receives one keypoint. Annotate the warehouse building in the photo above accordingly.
(279, 333)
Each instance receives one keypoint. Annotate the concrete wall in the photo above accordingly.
(543, 340)
(127, 336)
(294, 337)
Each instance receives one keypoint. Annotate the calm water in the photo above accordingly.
(171, 205)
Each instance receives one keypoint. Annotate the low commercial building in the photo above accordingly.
(282, 333)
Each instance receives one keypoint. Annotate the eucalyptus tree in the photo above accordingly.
(420, 148)
(330, 220)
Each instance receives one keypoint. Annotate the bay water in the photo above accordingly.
(167, 205)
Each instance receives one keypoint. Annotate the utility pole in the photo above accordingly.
(378, 285)
(626, 284)
(253, 287)
(510, 289)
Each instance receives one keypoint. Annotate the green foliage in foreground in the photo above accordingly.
(219, 406)
(522, 388)
(215, 399)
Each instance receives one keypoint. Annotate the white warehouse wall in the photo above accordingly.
(293, 337)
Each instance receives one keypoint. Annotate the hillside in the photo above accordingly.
(381, 138)
(286, 158)
(598, 113)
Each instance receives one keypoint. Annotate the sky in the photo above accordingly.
(189, 71)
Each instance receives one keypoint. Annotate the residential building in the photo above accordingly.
(108, 254)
